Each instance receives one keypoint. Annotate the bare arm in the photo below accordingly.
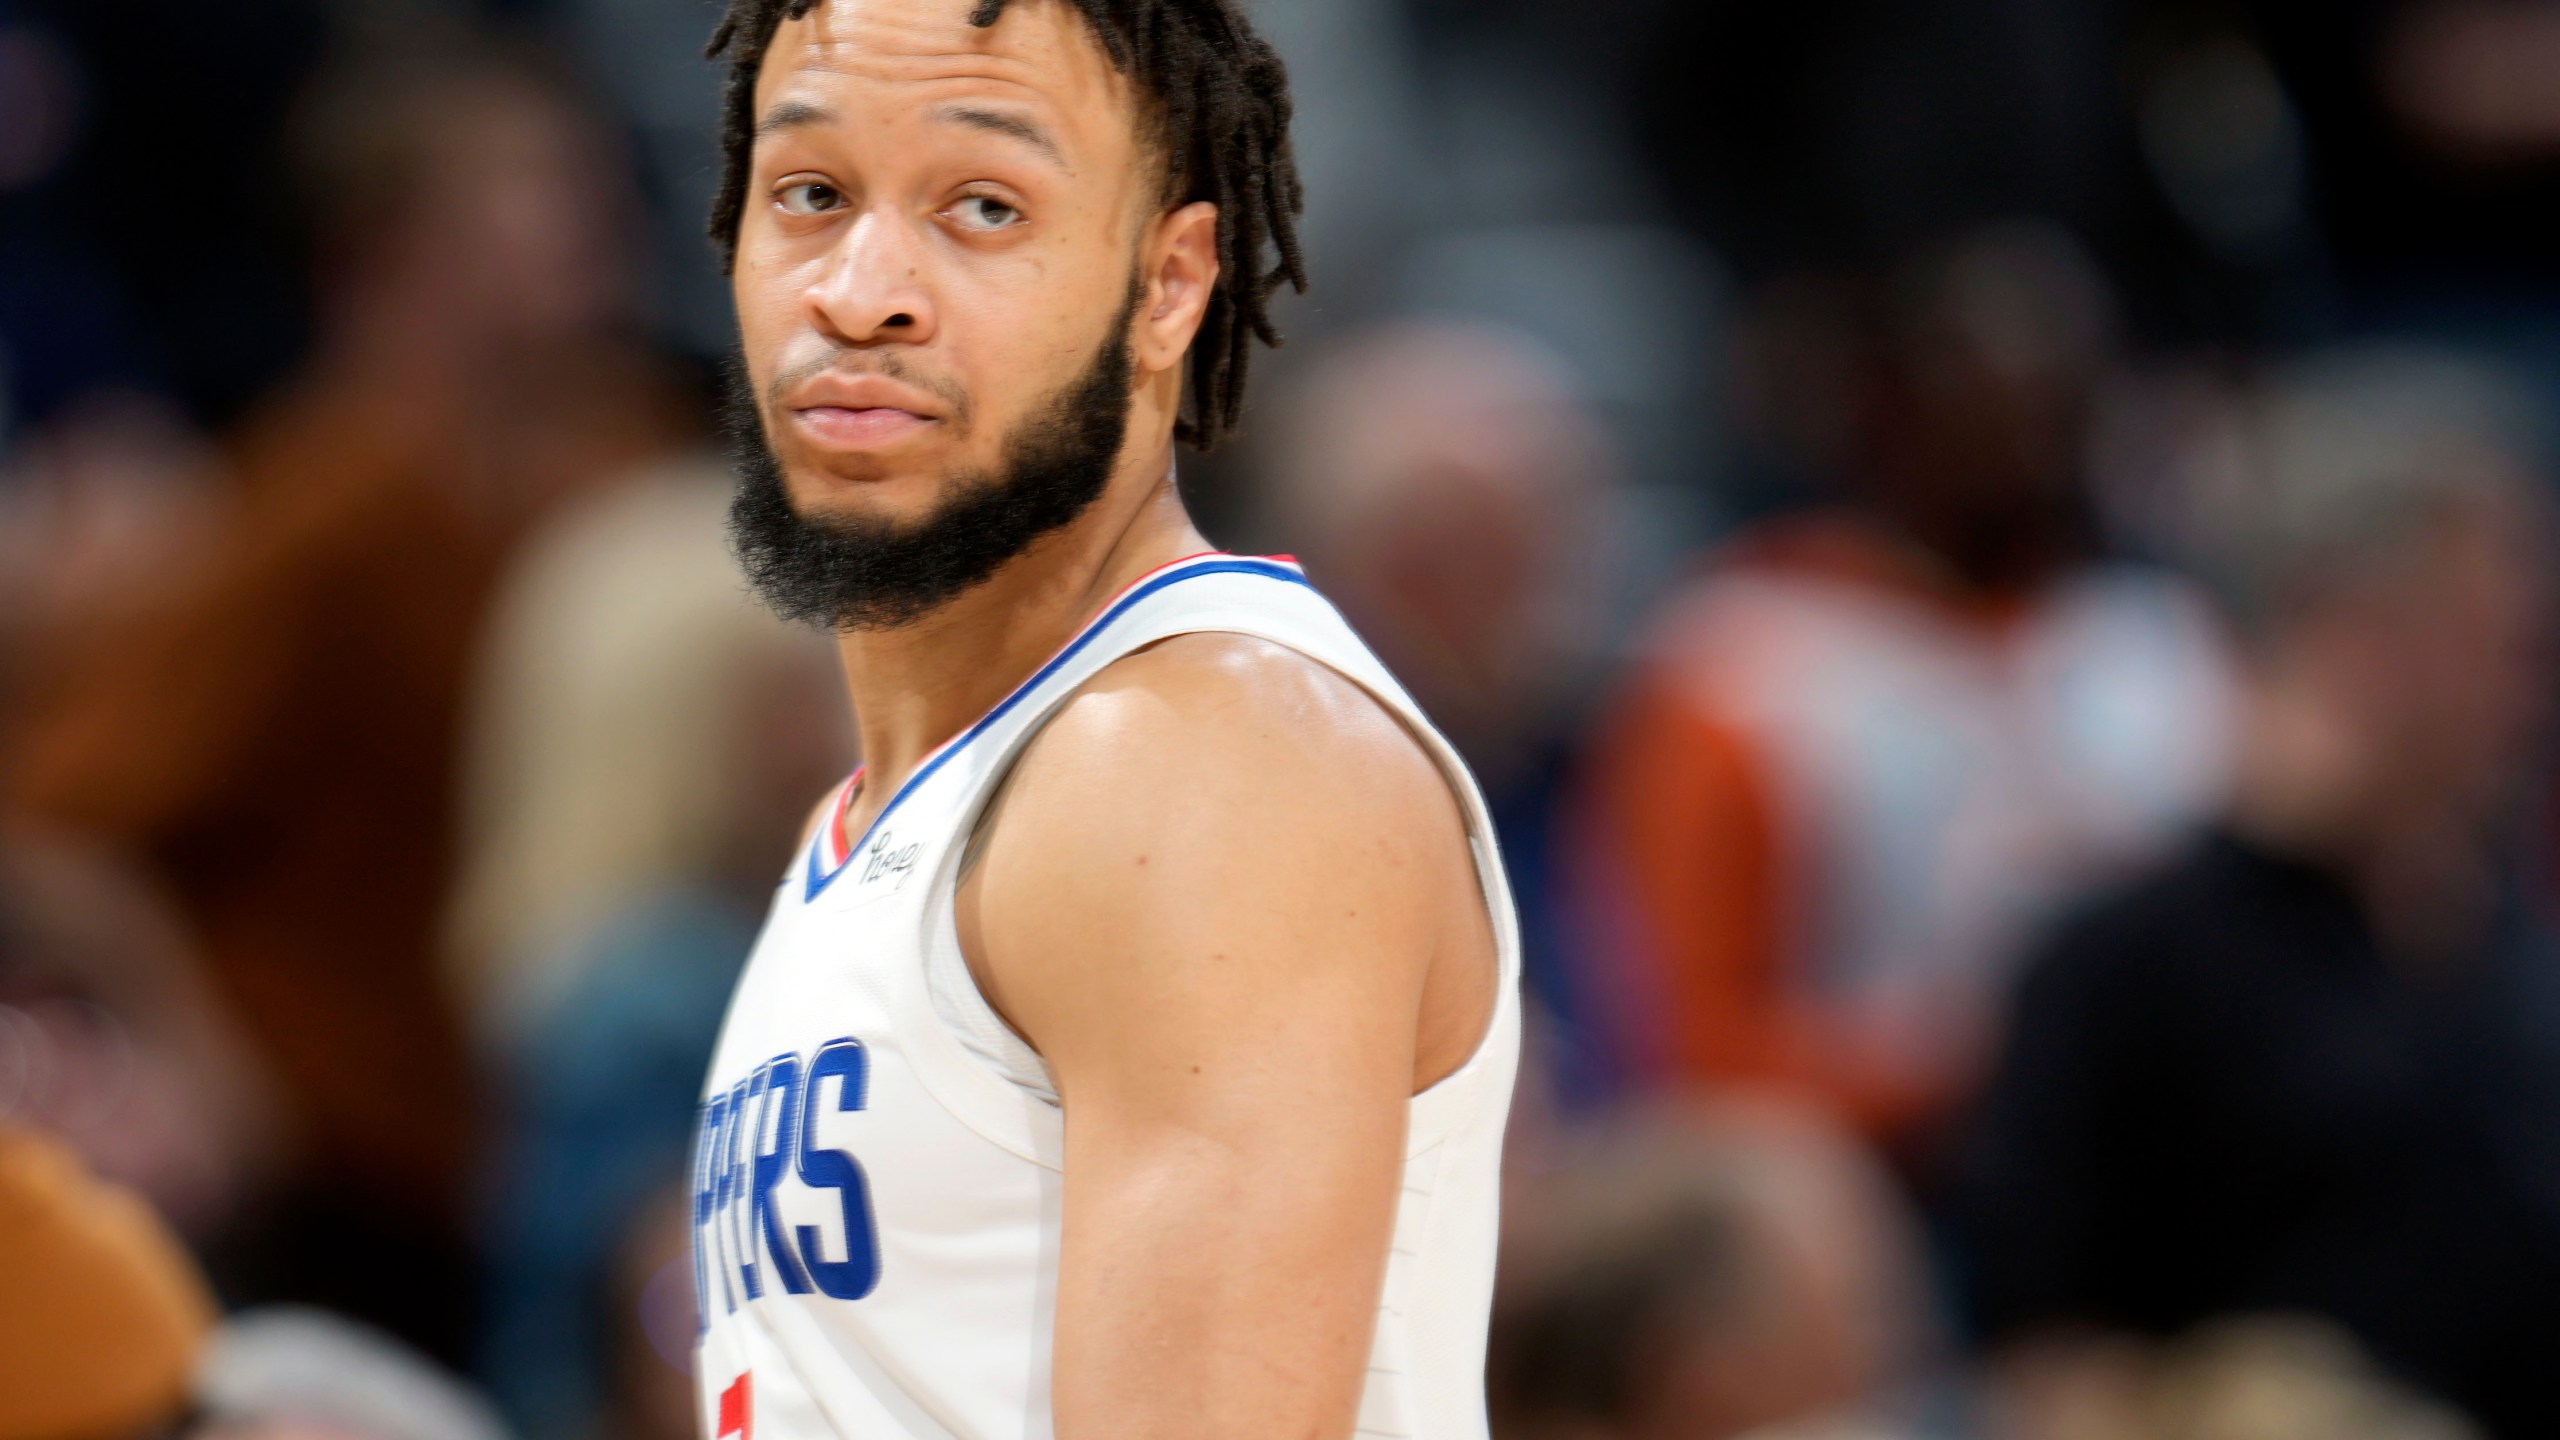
(1225, 898)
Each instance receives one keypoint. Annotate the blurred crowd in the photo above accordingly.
(1996, 562)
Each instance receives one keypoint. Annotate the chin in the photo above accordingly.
(866, 489)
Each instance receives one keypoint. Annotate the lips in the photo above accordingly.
(845, 427)
(861, 412)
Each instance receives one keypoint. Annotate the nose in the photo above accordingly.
(874, 290)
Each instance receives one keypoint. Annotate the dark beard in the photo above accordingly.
(857, 573)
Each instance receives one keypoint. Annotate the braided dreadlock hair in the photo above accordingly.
(1216, 99)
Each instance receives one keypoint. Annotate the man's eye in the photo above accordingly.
(985, 212)
(811, 197)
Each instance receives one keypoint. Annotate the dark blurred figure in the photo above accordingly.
(2253, 170)
(2315, 1064)
(1873, 742)
(107, 370)
(1858, 135)
(2366, 167)
(94, 296)
(1462, 505)
(270, 726)
(1705, 1271)
(2433, 136)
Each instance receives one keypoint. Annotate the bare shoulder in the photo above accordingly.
(1202, 721)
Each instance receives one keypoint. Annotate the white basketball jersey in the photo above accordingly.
(876, 1185)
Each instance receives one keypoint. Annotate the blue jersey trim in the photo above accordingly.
(820, 878)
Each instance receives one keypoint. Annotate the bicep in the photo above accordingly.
(1222, 1257)
(1220, 953)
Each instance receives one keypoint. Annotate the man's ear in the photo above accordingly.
(1180, 274)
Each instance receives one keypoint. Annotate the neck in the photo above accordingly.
(918, 685)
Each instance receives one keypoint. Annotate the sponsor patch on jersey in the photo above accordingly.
(875, 871)
(882, 866)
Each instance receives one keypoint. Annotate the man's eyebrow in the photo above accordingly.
(792, 115)
(999, 122)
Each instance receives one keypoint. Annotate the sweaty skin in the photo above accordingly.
(1227, 896)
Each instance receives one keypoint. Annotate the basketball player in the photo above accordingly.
(1126, 1054)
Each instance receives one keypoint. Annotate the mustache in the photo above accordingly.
(851, 362)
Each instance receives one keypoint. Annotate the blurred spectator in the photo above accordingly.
(2258, 1378)
(1700, 1272)
(102, 1313)
(639, 726)
(1454, 496)
(1870, 745)
(2434, 136)
(271, 728)
(292, 1373)
(104, 472)
(2252, 170)
(2359, 168)
(651, 1325)
(111, 1041)
(109, 496)
(108, 1332)
(1859, 133)
(2315, 1064)
(95, 293)
(647, 740)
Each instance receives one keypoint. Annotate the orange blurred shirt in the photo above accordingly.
(272, 731)
(102, 1312)
(1837, 797)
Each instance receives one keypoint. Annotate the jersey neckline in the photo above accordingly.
(831, 854)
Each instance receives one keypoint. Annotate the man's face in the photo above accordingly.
(2462, 635)
(940, 227)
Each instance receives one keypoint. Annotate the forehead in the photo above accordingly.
(1040, 57)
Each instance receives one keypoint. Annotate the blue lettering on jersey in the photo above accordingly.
(757, 1136)
(851, 1278)
(706, 1203)
(781, 1078)
(733, 1184)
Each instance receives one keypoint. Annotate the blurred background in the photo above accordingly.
(1995, 560)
